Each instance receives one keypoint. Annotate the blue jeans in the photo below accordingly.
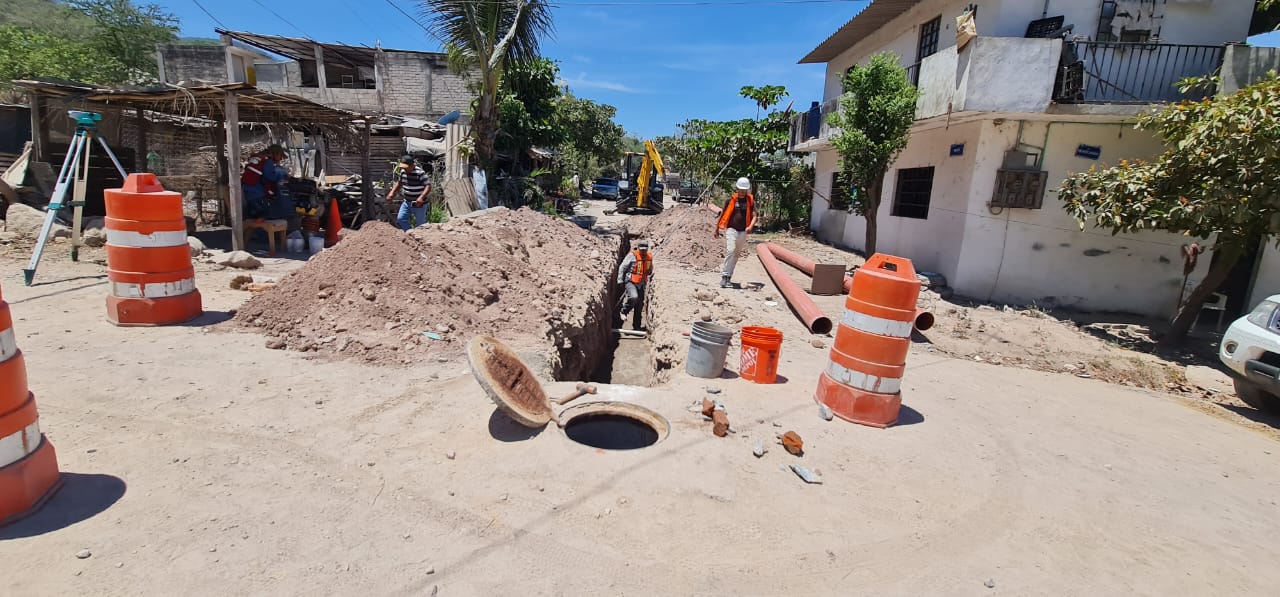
(419, 214)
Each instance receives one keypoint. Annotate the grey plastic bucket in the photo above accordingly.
(711, 332)
(706, 357)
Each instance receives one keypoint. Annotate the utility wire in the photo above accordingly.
(206, 11)
(407, 15)
(286, 21)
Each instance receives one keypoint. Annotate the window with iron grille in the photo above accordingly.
(911, 198)
(928, 45)
(1020, 189)
(841, 192)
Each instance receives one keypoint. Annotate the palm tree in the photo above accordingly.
(480, 37)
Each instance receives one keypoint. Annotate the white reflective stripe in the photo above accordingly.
(19, 445)
(863, 381)
(877, 325)
(155, 240)
(152, 291)
(8, 345)
(254, 170)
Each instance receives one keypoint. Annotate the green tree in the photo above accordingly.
(103, 42)
(27, 53)
(527, 104)
(481, 38)
(129, 33)
(592, 139)
(874, 123)
(718, 152)
(1218, 178)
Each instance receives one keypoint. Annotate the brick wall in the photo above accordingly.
(405, 85)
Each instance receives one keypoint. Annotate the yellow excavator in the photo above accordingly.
(640, 191)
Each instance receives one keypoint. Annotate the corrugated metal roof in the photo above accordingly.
(874, 16)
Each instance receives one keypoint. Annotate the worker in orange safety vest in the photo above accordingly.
(636, 271)
(259, 179)
(736, 220)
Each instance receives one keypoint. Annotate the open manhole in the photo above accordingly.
(614, 425)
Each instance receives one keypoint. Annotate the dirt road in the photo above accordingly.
(203, 463)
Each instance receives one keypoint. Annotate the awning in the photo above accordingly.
(876, 15)
(206, 102)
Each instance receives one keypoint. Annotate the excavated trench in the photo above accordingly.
(599, 355)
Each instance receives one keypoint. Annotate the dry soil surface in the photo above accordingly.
(200, 463)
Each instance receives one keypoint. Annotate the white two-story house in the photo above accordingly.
(1048, 88)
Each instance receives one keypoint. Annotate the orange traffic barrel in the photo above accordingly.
(28, 464)
(761, 349)
(863, 379)
(148, 260)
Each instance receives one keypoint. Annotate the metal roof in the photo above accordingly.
(304, 49)
(876, 15)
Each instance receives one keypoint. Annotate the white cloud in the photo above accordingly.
(582, 82)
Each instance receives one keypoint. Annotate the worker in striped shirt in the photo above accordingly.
(414, 187)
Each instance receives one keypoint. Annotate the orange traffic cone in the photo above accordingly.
(28, 464)
(333, 225)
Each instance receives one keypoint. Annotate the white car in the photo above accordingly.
(1251, 348)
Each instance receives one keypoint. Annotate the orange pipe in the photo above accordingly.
(923, 319)
(809, 313)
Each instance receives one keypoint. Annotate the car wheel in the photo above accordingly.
(1253, 395)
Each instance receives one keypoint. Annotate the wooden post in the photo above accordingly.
(38, 142)
(141, 147)
(235, 197)
(366, 174)
(322, 79)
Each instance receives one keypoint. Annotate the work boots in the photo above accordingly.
(724, 282)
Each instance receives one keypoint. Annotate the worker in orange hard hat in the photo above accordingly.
(737, 219)
(635, 272)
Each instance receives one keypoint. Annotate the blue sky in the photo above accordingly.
(659, 65)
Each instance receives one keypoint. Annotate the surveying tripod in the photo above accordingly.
(75, 169)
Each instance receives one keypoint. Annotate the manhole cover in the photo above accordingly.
(614, 425)
(508, 382)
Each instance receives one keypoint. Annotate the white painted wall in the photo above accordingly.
(933, 244)
(1267, 281)
(1023, 256)
(991, 74)
(1210, 22)
(1044, 257)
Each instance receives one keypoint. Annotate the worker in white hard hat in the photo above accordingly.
(635, 272)
(737, 219)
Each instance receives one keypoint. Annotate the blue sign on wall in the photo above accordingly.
(1089, 152)
(957, 149)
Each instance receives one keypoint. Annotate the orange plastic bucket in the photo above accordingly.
(761, 350)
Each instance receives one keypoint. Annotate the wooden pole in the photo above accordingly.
(322, 78)
(235, 197)
(366, 174)
(38, 143)
(141, 147)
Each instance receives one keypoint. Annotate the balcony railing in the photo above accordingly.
(1130, 73)
(812, 124)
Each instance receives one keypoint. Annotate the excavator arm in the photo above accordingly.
(652, 160)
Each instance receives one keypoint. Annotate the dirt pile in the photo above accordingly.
(685, 235)
(540, 284)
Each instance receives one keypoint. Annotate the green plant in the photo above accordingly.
(874, 122)
(1217, 179)
(438, 214)
(482, 37)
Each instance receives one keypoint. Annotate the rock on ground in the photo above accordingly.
(238, 259)
(196, 245)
